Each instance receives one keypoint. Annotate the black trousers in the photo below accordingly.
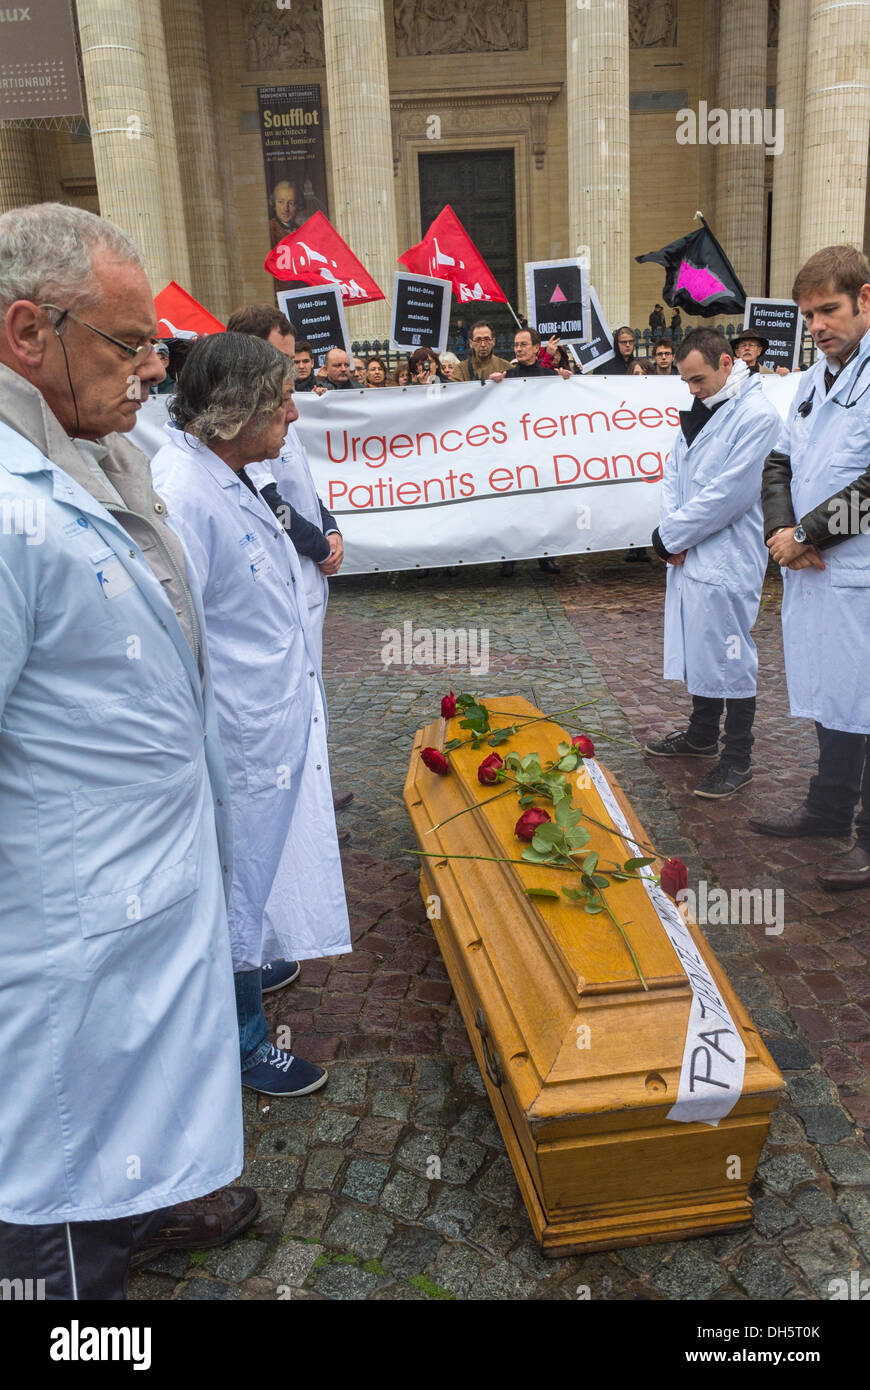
(739, 717)
(79, 1260)
(842, 782)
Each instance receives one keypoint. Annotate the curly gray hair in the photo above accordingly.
(229, 382)
(47, 252)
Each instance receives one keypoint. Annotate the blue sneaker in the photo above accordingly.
(279, 973)
(282, 1074)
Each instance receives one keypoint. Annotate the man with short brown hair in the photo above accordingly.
(816, 498)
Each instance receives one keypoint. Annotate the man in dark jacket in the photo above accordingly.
(657, 321)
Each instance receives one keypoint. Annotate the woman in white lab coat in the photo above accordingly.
(232, 407)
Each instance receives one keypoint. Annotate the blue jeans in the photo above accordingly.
(253, 1028)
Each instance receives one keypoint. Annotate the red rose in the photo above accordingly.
(488, 768)
(448, 706)
(435, 761)
(585, 747)
(675, 876)
(529, 822)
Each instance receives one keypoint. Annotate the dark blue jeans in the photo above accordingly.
(253, 1028)
(739, 718)
(842, 782)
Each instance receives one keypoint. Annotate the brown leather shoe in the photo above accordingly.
(202, 1223)
(793, 824)
(849, 870)
(340, 802)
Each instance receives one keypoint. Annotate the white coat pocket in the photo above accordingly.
(134, 849)
(273, 740)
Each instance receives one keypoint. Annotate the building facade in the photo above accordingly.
(553, 127)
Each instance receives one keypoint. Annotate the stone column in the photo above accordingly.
(740, 166)
(19, 176)
(165, 125)
(192, 106)
(791, 61)
(598, 148)
(360, 139)
(121, 118)
(836, 126)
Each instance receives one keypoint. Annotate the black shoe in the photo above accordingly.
(549, 566)
(792, 825)
(640, 554)
(677, 745)
(724, 780)
(508, 567)
(340, 802)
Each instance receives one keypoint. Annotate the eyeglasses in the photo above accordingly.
(138, 355)
(486, 339)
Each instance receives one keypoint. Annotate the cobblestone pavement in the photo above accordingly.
(348, 1209)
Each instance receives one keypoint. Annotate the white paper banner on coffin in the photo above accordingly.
(714, 1057)
(424, 476)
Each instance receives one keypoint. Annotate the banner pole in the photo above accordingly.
(515, 314)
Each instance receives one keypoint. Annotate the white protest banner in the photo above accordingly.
(425, 476)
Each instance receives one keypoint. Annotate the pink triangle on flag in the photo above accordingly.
(557, 297)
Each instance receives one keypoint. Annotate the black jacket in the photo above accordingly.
(305, 536)
(534, 370)
(778, 509)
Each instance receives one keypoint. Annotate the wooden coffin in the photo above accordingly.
(580, 1062)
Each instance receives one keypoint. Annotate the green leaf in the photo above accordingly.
(567, 764)
(453, 743)
(575, 894)
(637, 863)
(530, 761)
(591, 908)
(617, 877)
(565, 816)
(578, 837)
(541, 893)
(599, 880)
(563, 749)
(535, 856)
(500, 736)
(590, 863)
(549, 833)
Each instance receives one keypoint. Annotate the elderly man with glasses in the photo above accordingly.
(119, 1068)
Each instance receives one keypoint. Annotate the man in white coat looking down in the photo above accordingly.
(817, 526)
(119, 1069)
(711, 536)
(232, 408)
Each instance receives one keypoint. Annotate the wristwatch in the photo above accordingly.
(800, 534)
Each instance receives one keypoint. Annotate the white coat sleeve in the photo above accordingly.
(727, 496)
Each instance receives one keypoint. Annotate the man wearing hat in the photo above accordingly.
(750, 347)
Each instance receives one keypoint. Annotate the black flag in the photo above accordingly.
(700, 278)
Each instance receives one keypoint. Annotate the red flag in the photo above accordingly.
(448, 253)
(316, 255)
(179, 315)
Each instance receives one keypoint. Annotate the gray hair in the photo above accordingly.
(229, 381)
(47, 253)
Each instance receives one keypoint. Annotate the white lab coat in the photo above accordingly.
(119, 1055)
(826, 613)
(711, 506)
(291, 473)
(287, 896)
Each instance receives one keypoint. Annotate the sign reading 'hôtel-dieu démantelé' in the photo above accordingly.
(39, 72)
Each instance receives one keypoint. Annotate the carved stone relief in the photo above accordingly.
(652, 23)
(279, 38)
(424, 27)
